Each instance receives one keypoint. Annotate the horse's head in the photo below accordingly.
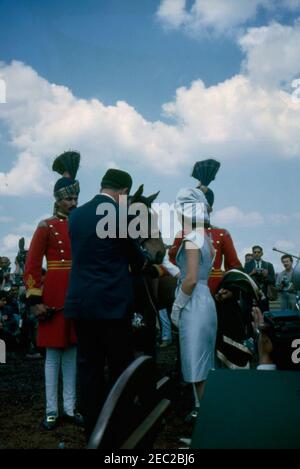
(150, 239)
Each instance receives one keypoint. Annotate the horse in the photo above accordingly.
(145, 286)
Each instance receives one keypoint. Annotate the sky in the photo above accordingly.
(151, 87)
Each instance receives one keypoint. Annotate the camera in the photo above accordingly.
(285, 284)
(283, 327)
(259, 271)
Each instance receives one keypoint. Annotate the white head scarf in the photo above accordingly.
(191, 206)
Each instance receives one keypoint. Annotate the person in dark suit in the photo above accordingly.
(262, 273)
(100, 294)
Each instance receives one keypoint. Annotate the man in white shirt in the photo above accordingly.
(284, 284)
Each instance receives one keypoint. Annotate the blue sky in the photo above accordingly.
(150, 87)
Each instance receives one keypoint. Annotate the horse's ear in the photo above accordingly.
(137, 195)
(151, 198)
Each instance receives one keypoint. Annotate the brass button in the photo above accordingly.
(62, 250)
(56, 233)
(59, 242)
(63, 260)
(51, 226)
(221, 234)
(218, 242)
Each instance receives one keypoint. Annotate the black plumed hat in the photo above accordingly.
(206, 170)
(67, 164)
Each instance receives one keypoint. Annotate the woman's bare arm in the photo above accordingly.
(192, 253)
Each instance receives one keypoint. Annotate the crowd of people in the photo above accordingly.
(78, 312)
(18, 326)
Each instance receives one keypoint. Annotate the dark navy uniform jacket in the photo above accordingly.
(101, 281)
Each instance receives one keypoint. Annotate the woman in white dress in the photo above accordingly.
(194, 311)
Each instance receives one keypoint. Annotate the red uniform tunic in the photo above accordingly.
(225, 252)
(51, 239)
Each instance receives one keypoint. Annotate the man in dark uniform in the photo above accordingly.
(100, 295)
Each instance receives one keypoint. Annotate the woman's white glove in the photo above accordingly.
(180, 301)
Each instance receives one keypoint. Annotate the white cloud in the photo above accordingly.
(173, 13)
(234, 119)
(10, 241)
(237, 119)
(233, 216)
(44, 119)
(272, 54)
(29, 228)
(216, 16)
(9, 245)
(285, 244)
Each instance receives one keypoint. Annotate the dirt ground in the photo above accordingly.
(22, 407)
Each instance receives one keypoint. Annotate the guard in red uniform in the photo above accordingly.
(226, 256)
(55, 332)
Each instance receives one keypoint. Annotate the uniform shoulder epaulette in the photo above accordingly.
(44, 224)
(220, 229)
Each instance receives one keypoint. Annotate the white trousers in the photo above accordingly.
(66, 359)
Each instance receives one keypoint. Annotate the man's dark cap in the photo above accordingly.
(116, 179)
